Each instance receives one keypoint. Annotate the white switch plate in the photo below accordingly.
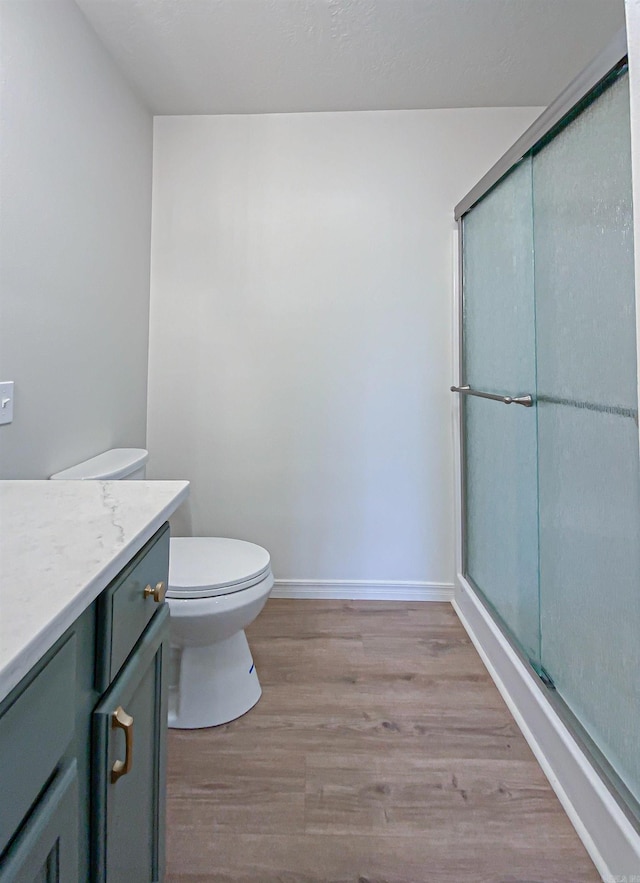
(6, 402)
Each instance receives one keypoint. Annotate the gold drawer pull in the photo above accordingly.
(158, 593)
(120, 720)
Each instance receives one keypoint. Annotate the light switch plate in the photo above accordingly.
(6, 402)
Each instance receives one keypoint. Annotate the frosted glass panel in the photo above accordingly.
(584, 257)
(589, 478)
(499, 333)
(501, 525)
(501, 528)
(590, 572)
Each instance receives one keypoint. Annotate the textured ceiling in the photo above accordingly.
(266, 56)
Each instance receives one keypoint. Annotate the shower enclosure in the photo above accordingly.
(549, 411)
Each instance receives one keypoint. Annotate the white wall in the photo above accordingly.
(300, 330)
(75, 179)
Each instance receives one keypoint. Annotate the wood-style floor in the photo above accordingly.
(380, 752)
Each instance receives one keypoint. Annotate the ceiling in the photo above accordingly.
(269, 56)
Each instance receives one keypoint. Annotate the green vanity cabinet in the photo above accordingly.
(64, 815)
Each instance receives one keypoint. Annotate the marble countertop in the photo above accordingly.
(61, 544)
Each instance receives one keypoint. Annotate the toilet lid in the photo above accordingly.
(208, 566)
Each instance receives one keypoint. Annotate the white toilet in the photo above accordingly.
(216, 589)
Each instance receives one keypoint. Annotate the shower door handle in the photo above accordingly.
(526, 401)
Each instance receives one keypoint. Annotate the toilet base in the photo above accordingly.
(212, 685)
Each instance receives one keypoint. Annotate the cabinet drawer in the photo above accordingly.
(47, 847)
(124, 610)
(35, 731)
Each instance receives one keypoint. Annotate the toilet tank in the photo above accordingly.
(126, 464)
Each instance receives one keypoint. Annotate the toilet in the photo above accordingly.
(217, 587)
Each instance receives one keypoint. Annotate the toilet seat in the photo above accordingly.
(205, 567)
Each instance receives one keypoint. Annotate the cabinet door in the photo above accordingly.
(129, 820)
(46, 849)
(27, 761)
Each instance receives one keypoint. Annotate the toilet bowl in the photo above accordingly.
(217, 587)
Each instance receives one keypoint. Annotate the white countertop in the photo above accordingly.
(61, 544)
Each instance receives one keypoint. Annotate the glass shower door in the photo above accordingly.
(499, 440)
(551, 492)
(589, 473)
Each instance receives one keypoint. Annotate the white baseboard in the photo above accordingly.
(608, 835)
(362, 590)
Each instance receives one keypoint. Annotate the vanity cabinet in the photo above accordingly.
(83, 737)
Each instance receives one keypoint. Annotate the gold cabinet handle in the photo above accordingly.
(120, 720)
(158, 593)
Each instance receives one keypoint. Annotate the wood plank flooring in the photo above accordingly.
(380, 752)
